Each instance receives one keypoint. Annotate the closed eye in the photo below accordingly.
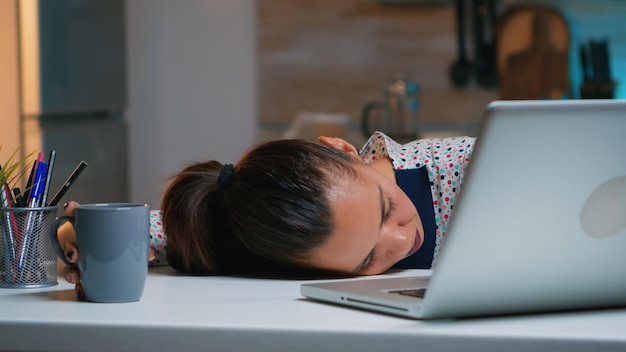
(391, 208)
(369, 263)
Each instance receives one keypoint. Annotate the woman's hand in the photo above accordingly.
(67, 240)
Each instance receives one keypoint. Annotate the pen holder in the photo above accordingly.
(27, 258)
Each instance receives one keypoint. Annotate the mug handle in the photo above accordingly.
(54, 238)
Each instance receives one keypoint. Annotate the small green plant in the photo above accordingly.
(14, 169)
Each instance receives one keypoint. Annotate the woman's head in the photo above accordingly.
(290, 204)
(273, 212)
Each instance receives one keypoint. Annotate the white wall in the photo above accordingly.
(192, 87)
(9, 81)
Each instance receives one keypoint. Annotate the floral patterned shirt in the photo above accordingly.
(157, 239)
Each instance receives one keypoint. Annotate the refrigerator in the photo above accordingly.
(72, 82)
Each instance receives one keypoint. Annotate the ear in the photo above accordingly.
(339, 144)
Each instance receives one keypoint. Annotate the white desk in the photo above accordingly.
(179, 313)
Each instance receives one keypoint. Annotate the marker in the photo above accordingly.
(7, 197)
(68, 183)
(6, 194)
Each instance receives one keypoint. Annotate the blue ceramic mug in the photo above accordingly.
(113, 244)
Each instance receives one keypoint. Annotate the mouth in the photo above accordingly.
(417, 243)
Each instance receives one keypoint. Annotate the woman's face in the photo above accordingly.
(376, 225)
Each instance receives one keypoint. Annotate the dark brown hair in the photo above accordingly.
(270, 215)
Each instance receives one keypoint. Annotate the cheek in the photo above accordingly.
(406, 207)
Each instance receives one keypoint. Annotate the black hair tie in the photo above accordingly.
(224, 176)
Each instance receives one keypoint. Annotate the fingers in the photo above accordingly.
(66, 233)
(70, 208)
(72, 276)
(67, 238)
(71, 252)
(151, 255)
(80, 294)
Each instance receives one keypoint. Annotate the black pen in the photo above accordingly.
(31, 177)
(17, 199)
(68, 183)
(46, 189)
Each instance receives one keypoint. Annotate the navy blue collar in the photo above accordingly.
(417, 186)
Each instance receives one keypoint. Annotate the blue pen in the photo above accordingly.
(38, 185)
(32, 219)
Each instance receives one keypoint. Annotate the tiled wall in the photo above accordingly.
(335, 56)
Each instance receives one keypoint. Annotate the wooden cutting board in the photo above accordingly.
(532, 54)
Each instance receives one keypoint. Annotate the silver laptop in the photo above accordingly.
(540, 224)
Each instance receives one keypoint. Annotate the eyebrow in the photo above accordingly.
(368, 257)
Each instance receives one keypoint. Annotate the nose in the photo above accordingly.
(397, 242)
